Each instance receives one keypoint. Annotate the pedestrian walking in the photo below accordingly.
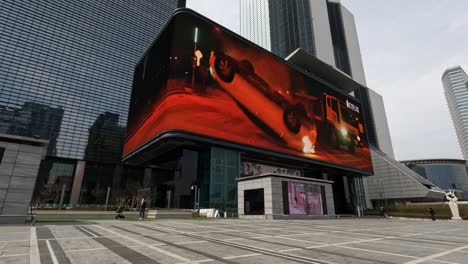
(382, 213)
(432, 212)
(142, 208)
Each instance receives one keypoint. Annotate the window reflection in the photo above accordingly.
(53, 177)
(32, 120)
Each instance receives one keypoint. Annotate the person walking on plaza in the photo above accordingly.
(142, 208)
(382, 213)
(432, 212)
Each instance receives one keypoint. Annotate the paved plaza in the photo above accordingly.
(237, 241)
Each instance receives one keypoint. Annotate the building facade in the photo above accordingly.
(455, 82)
(393, 183)
(20, 158)
(255, 22)
(326, 29)
(376, 119)
(290, 26)
(447, 174)
(229, 133)
(323, 28)
(66, 73)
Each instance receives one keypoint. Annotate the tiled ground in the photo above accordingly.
(238, 241)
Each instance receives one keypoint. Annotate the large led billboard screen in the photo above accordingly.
(201, 79)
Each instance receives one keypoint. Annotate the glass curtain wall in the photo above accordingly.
(53, 177)
(225, 168)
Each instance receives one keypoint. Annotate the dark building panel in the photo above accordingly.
(363, 95)
(32, 120)
(105, 139)
(338, 37)
(290, 26)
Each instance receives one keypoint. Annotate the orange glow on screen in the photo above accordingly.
(223, 88)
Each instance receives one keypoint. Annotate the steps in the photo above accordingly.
(170, 214)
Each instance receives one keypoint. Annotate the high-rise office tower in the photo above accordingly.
(255, 22)
(455, 82)
(327, 30)
(290, 28)
(66, 71)
(376, 119)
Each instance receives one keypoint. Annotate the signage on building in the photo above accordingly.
(252, 169)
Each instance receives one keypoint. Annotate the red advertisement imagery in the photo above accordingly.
(200, 79)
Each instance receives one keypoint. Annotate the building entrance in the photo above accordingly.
(276, 196)
(254, 202)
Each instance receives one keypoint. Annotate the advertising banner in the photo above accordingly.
(304, 199)
(200, 79)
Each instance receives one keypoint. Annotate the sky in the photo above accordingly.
(406, 46)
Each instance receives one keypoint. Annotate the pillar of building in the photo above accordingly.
(77, 182)
(147, 177)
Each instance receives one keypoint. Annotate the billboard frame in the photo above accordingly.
(190, 136)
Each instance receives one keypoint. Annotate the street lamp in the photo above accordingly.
(195, 40)
(196, 204)
(382, 193)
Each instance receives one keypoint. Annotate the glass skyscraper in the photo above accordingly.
(376, 120)
(455, 81)
(291, 26)
(327, 30)
(255, 22)
(323, 28)
(447, 174)
(66, 71)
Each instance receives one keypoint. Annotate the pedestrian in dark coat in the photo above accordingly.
(382, 213)
(142, 208)
(432, 212)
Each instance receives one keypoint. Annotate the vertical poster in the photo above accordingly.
(304, 199)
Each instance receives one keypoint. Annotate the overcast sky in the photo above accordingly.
(406, 46)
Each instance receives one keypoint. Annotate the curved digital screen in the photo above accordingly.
(201, 79)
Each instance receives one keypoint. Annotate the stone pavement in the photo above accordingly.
(237, 241)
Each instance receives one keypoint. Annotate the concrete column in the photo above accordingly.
(268, 191)
(329, 199)
(277, 195)
(346, 189)
(77, 181)
(147, 177)
(240, 197)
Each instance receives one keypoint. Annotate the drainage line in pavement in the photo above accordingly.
(254, 249)
(267, 252)
(178, 246)
(126, 253)
(264, 241)
(260, 250)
